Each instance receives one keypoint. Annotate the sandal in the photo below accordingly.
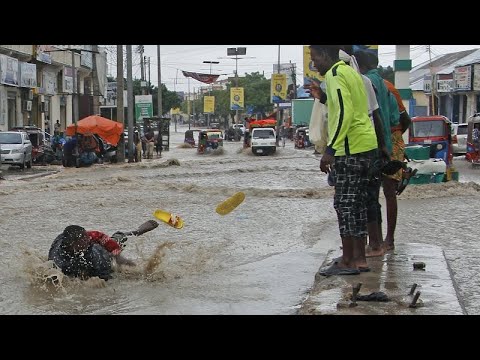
(334, 269)
(406, 179)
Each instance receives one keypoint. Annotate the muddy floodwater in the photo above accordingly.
(259, 259)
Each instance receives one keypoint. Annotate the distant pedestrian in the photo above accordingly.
(150, 142)
(57, 126)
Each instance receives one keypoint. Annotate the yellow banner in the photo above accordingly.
(237, 98)
(175, 111)
(309, 71)
(209, 104)
(279, 88)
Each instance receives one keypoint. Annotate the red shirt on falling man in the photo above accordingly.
(106, 241)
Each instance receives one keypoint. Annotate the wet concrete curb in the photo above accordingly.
(34, 176)
(395, 276)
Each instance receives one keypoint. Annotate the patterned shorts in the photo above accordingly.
(398, 152)
(350, 200)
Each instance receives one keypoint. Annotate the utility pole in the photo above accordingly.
(120, 105)
(159, 95)
(279, 115)
(294, 80)
(193, 106)
(211, 87)
(74, 90)
(140, 50)
(149, 76)
(188, 103)
(130, 102)
(432, 81)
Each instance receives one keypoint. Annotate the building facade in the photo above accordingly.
(36, 84)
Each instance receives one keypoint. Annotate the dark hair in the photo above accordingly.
(348, 49)
(72, 233)
(366, 59)
(373, 59)
(329, 50)
(362, 59)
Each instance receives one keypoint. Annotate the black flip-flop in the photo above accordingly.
(335, 270)
(405, 181)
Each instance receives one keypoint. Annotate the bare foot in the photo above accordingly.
(371, 252)
(388, 246)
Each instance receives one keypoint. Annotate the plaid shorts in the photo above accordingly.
(350, 200)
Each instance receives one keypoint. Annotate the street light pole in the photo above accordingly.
(235, 52)
(211, 87)
(130, 103)
(74, 103)
(279, 113)
(159, 95)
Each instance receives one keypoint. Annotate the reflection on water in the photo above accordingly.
(259, 259)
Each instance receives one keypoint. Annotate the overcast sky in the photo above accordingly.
(175, 58)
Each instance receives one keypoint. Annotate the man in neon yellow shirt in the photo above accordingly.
(351, 147)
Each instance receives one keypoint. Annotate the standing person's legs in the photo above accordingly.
(374, 219)
(389, 190)
(390, 186)
(150, 150)
(351, 179)
(138, 149)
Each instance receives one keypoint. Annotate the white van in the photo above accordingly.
(264, 141)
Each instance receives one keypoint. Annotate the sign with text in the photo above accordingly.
(8, 70)
(42, 53)
(476, 77)
(143, 106)
(444, 83)
(67, 82)
(49, 83)
(462, 76)
(278, 88)
(237, 98)
(28, 75)
(289, 70)
(209, 104)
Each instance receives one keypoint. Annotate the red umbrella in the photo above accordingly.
(107, 129)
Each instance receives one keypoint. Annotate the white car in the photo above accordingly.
(16, 148)
(241, 127)
(459, 138)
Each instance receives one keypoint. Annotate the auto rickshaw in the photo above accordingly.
(473, 140)
(190, 136)
(302, 139)
(430, 139)
(435, 133)
(209, 140)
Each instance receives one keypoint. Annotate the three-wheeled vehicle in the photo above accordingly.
(473, 140)
(435, 133)
(302, 139)
(190, 136)
(430, 149)
(209, 140)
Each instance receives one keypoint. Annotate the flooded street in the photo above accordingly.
(259, 259)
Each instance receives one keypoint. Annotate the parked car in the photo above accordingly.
(459, 138)
(42, 151)
(16, 148)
